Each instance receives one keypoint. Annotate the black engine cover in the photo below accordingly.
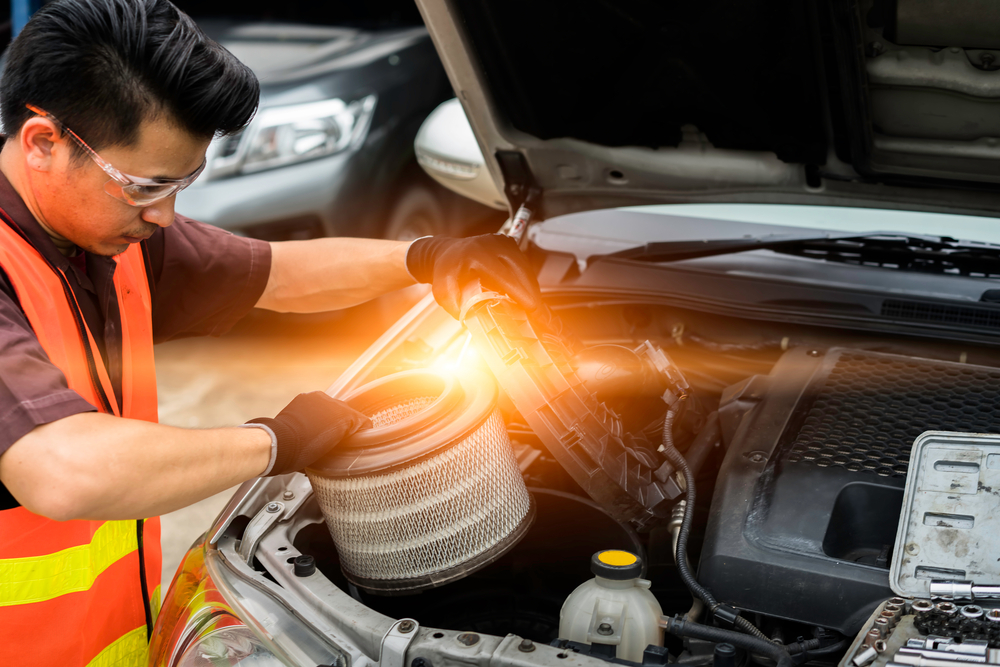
(808, 498)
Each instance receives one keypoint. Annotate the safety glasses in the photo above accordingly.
(132, 190)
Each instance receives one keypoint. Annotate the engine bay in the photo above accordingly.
(798, 443)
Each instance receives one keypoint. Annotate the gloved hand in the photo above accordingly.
(495, 259)
(309, 427)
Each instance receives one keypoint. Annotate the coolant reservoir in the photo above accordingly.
(615, 608)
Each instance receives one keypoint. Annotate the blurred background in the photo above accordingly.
(345, 85)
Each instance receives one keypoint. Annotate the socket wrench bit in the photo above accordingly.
(964, 590)
(899, 602)
(872, 636)
(969, 646)
(920, 606)
(896, 610)
(889, 616)
(946, 608)
(971, 611)
(948, 660)
(866, 655)
(940, 655)
(882, 625)
(993, 615)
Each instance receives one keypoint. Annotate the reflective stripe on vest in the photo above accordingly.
(73, 593)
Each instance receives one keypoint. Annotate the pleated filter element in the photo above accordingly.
(429, 494)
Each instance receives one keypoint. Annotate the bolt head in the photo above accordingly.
(288, 495)
(467, 639)
(605, 629)
(273, 507)
(526, 646)
(406, 626)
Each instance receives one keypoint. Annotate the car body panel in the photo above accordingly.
(347, 193)
(767, 130)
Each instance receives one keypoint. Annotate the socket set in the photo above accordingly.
(925, 633)
(969, 622)
(949, 525)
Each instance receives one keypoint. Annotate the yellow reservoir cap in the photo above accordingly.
(617, 558)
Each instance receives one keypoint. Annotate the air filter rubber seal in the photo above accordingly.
(455, 413)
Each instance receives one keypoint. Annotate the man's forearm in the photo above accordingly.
(95, 466)
(328, 274)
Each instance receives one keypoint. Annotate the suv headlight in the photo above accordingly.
(279, 136)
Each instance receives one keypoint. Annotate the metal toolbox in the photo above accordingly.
(946, 562)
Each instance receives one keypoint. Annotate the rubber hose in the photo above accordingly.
(683, 628)
(836, 647)
(807, 645)
(678, 461)
(697, 590)
(746, 626)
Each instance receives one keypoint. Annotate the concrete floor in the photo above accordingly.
(252, 372)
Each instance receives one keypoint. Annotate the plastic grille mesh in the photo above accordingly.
(871, 407)
(431, 516)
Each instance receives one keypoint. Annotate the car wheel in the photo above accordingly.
(417, 212)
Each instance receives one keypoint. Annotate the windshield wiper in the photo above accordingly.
(912, 252)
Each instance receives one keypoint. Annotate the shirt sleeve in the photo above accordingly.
(33, 391)
(203, 279)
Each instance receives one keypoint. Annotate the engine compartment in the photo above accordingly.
(799, 449)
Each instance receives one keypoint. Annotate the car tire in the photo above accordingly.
(417, 212)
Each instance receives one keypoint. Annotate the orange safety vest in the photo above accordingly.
(80, 593)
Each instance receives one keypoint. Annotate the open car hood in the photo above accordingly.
(600, 103)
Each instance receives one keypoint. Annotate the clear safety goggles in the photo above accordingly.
(133, 190)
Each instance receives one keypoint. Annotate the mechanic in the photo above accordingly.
(109, 107)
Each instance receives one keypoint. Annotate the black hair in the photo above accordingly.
(103, 66)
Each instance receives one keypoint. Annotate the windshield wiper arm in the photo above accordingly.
(936, 254)
(673, 251)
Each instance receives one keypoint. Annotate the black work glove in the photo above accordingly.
(309, 427)
(495, 259)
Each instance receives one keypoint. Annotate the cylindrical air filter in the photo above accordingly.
(431, 492)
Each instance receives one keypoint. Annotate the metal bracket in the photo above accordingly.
(233, 507)
(258, 526)
(297, 492)
(396, 641)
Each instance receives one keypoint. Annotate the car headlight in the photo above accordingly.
(228, 647)
(212, 618)
(283, 135)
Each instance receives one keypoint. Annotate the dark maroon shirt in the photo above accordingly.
(202, 280)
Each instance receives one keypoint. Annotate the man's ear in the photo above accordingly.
(41, 142)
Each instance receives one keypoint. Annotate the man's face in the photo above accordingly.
(73, 204)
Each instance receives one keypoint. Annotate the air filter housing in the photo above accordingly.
(431, 492)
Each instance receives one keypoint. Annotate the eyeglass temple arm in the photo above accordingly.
(108, 169)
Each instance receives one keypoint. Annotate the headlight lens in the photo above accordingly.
(206, 622)
(284, 135)
(228, 647)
